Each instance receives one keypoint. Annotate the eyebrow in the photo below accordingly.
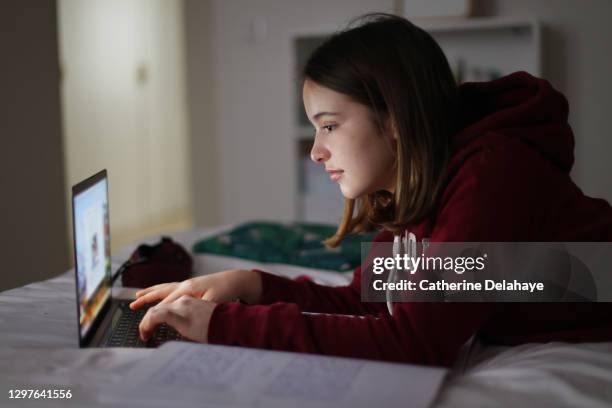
(318, 115)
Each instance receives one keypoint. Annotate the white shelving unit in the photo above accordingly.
(478, 49)
(488, 47)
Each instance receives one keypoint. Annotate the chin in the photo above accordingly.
(350, 193)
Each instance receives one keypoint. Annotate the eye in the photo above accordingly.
(328, 128)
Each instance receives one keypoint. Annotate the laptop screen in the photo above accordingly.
(92, 248)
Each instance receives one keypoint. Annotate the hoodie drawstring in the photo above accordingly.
(406, 244)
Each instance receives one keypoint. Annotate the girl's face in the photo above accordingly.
(348, 143)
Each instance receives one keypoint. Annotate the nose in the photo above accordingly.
(319, 153)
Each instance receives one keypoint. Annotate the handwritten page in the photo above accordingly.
(188, 374)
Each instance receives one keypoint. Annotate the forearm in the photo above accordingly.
(312, 297)
(410, 335)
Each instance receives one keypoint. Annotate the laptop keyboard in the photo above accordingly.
(126, 330)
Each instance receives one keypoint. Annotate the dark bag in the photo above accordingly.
(150, 265)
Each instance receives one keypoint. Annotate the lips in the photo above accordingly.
(335, 174)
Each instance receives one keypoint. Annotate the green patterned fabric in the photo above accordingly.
(293, 244)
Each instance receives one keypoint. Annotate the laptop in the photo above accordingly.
(103, 321)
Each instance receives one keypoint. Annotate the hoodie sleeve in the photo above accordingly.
(480, 205)
(312, 297)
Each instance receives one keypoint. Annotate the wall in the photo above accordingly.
(251, 127)
(124, 109)
(246, 139)
(33, 241)
(202, 152)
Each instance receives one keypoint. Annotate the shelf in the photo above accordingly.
(482, 49)
(440, 25)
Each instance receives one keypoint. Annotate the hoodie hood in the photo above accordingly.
(518, 106)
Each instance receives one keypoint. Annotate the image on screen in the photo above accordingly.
(92, 239)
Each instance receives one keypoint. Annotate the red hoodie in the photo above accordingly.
(507, 180)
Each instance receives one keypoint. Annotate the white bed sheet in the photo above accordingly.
(38, 345)
(533, 375)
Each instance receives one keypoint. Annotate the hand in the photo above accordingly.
(218, 287)
(187, 315)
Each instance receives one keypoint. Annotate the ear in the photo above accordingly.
(391, 129)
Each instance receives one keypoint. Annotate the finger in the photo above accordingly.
(154, 317)
(176, 294)
(186, 287)
(158, 315)
(209, 296)
(149, 289)
(154, 295)
(148, 298)
(146, 326)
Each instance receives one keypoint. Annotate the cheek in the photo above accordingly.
(368, 166)
(376, 168)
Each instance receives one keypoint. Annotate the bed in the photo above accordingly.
(38, 346)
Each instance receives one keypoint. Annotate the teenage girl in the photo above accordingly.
(411, 152)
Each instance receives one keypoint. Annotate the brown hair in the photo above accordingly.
(398, 71)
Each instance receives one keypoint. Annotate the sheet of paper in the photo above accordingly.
(187, 374)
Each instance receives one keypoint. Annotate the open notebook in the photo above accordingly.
(188, 374)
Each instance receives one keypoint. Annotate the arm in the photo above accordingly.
(255, 286)
(312, 297)
(488, 200)
(424, 333)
